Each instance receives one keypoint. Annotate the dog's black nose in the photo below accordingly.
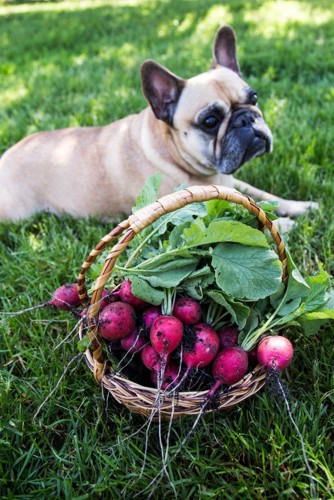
(264, 137)
(242, 118)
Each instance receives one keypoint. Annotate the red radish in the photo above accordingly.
(170, 378)
(204, 347)
(228, 337)
(165, 335)
(66, 297)
(230, 366)
(126, 295)
(114, 295)
(117, 320)
(200, 348)
(105, 299)
(84, 312)
(150, 358)
(275, 352)
(149, 315)
(187, 310)
(133, 343)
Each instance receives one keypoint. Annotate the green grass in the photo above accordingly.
(76, 63)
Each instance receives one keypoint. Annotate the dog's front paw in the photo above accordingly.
(284, 224)
(294, 208)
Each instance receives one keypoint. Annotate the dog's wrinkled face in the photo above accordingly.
(214, 119)
(217, 124)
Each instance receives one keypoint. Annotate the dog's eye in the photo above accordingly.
(210, 122)
(253, 99)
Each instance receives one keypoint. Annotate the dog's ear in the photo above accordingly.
(225, 49)
(162, 89)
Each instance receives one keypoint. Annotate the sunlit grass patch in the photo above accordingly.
(283, 15)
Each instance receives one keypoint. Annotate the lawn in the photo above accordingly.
(72, 63)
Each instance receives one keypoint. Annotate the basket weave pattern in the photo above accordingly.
(137, 398)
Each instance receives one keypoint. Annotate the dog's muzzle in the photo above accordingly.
(247, 136)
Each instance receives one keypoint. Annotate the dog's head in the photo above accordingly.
(213, 118)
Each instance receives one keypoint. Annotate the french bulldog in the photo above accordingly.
(196, 131)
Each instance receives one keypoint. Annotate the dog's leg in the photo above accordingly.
(290, 208)
(284, 224)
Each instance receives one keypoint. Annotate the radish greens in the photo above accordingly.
(214, 252)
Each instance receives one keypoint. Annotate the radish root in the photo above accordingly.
(274, 382)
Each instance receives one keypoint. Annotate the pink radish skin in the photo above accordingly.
(105, 299)
(171, 376)
(187, 310)
(150, 358)
(117, 320)
(230, 366)
(149, 315)
(108, 296)
(166, 334)
(205, 348)
(228, 337)
(126, 295)
(66, 297)
(84, 312)
(275, 352)
(133, 343)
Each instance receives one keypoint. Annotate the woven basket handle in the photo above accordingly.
(144, 218)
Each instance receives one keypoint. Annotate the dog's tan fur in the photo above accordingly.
(100, 170)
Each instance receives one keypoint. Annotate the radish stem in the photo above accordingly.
(251, 338)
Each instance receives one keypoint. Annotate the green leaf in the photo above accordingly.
(197, 281)
(268, 206)
(180, 216)
(318, 291)
(320, 314)
(175, 239)
(238, 311)
(253, 322)
(311, 322)
(170, 274)
(217, 208)
(297, 286)
(289, 306)
(310, 327)
(311, 292)
(246, 272)
(142, 289)
(200, 274)
(193, 290)
(194, 232)
(149, 192)
(296, 289)
(168, 260)
(83, 344)
(223, 231)
(284, 320)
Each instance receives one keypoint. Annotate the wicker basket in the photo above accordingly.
(135, 397)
